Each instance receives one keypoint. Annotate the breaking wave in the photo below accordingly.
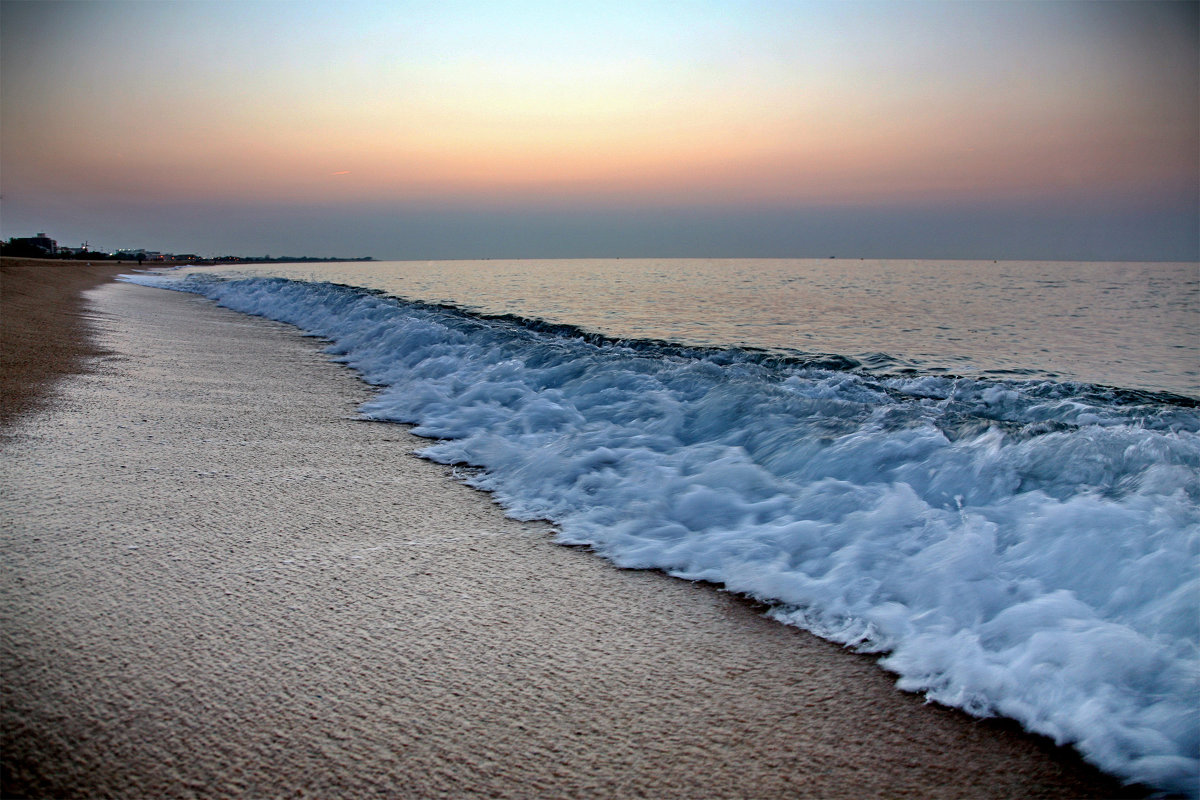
(1023, 548)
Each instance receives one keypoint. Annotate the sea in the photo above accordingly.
(988, 473)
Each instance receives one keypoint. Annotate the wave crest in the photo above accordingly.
(1024, 548)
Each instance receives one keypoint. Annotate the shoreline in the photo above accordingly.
(42, 333)
(220, 582)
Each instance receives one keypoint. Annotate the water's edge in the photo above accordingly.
(714, 471)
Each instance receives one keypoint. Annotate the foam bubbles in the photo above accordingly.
(1025, 549)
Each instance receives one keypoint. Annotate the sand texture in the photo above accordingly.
(217, 582)
(42, 335)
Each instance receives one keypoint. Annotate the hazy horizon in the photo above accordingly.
(1017, 130)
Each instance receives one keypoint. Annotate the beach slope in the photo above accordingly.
(219, 582)
(42, 335)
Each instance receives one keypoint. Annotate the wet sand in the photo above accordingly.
(217, 582)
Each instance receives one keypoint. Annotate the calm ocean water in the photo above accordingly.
(985, 472)
(1132, 325)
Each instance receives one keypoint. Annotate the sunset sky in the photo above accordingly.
(1054, 130)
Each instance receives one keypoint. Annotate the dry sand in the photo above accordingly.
(41, 333)
(217, 582)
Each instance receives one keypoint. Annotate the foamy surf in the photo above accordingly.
(1028, 549)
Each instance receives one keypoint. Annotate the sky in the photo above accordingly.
(429, 130)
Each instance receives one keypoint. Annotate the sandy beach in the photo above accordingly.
(219, 582)
(41, 332)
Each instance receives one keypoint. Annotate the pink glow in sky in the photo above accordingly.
(169, 112)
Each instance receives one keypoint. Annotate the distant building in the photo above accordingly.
(32, 246)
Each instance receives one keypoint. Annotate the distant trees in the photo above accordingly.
(31, 247)
(79, 255)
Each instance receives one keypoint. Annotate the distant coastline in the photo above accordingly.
(43, 247)
(276, 260)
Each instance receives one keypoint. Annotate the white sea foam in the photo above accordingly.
(1024, 549)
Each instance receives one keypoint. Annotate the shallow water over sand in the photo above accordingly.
(1018, 547)
(218, 582)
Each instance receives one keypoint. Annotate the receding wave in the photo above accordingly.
(1015, 547)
